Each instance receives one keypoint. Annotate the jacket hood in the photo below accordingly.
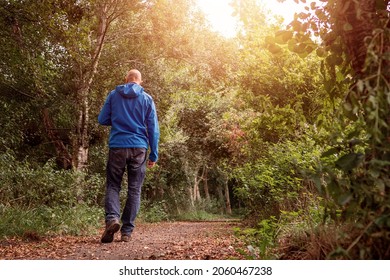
(130, 90)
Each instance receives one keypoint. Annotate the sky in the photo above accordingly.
(219, 13)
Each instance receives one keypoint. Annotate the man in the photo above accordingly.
(132, 115)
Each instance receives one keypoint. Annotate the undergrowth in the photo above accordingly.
(45, 221)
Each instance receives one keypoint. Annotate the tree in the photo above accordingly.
(32, 60)
(57, 46)
(94, 32)
(355, 41)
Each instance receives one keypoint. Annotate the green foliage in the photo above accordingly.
(43, 220)
(198, 215)
(42, 200)
(266, 239)
(23, 184)
(250, 108)
(154, 212)
(260, 239)
(354, 174)
(278, 180)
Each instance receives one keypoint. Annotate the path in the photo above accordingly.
(162, 241)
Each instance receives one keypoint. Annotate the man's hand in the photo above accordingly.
(151, 164)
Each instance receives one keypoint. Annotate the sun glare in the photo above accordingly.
(219, 13)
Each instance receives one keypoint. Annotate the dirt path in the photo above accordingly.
(163, 241)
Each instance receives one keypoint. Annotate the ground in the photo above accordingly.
(158, 241)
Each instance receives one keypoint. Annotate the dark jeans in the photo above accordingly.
(118, 159)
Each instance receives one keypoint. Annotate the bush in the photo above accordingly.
(153, 212)
(279, 181)
(28, 185)
(269, 237)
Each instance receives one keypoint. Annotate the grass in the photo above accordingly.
(43, 221)
(200, 215)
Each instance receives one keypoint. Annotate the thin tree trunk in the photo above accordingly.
(221, 199)
(175, 200)
(205, 183)
(191, 195)
(63, 157)
(108, 11)
(196, 188)
(227, 199)
(81, 142)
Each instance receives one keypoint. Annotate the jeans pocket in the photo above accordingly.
(140, 155)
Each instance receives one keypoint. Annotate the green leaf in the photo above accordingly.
(383, 220)
(282, 37)
(374, 173)
(303, 54)
(317, 182)
(330, 152)
(340, 76)
(360, 85)
(344, 198)
(348, 112)
(353, 134)
(328, 85)
(349, 161)
(380, 185)
(292, 44)
(334, 60)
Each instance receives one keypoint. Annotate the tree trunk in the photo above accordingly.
(196, 192)
(81, 142)
(205, 183)
(191, 196)
(227, 199)
(107, 11)
(63, 157)
(359, 15)
(172, 191)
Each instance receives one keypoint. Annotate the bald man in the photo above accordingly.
(132, 115)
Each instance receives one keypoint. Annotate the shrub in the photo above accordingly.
(28, 185)
(279, 181)
(153, 212)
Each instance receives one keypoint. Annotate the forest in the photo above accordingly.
(285, 127)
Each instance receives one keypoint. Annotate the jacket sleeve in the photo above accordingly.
(104, 117)
(153, 132)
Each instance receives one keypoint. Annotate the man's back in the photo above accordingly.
(131, 113)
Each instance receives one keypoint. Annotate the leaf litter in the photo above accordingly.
(156, 241)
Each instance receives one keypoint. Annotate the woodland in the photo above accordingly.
(285, 127)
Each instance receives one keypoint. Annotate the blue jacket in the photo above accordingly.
(132, 115)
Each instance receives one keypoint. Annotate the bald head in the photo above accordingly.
(134, 76)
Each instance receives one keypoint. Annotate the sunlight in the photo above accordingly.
(219, 13)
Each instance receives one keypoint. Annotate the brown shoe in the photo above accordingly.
(125, 237)
(111, 228)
